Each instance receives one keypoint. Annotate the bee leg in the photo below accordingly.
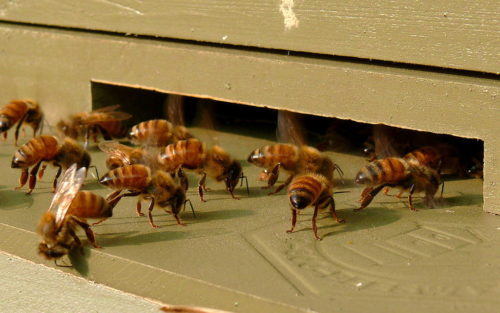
(368, 194)
(386, 191)
(77, 240)
(88, 232)
(400, 194)
(183, 179)
(32, 181)
(150, 215)
(87, 136)
(243, 177)
(294, 221)
(191, 205)
(23, 178)
(230, 189)
(54, 184)
(201, 186)
(4, 137)
(273, 175)
(314, 226)
(138, 208)
(42, 171)
(113, 195)
(280, 187)
(16, 134)
(410, 200)
(334, 213)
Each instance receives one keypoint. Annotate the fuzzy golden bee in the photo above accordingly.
(293, 159)
(311, 189)
(20, 112)
(398, 172)
(138, 180)
(105, 120)
(157, 133)
(214, 162)
(48, 149)
(70, 208)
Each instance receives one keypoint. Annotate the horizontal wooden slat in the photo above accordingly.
(56, 67)
(458, 34)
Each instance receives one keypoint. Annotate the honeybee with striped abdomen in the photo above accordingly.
(105, 120)
(157, 133)
(50, 150)
(20, 112)
(214, 162)
(293, 159)
(138, 180)
(311, 189)
(398, 172)
(70, 208)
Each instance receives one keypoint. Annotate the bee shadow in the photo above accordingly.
(134, 238)
(80, 261)
(215, 215)
(460, 200)
(367, 218)
(12, 199)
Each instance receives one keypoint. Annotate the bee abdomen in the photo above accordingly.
(89, 205)
(136, 177)
(388, 170)
(14, 110)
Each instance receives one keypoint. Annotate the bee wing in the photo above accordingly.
(108, 108)
(114, 148)
(290, 129)
(106, 117)
(66, 191)
(175, 109)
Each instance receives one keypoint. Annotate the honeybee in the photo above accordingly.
(159, 187)
(22, 112)
(312, 189)
(292, 159)
(157, 133)
(70, 208)
(119, 155)
(398, 172)
(105, 120)
(47, 149)
(214, 162)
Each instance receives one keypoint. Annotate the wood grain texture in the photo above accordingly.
(58, 74)
(459, 34)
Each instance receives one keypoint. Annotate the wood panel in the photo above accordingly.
(459, 34)
(58, 73)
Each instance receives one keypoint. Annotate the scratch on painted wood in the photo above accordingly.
(290, 19)
(122, 6)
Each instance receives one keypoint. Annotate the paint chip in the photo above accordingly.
(290, 20)
(225, 37)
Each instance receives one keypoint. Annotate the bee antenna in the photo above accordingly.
(243, 177)
(96, 172)
(190, 204)
(341, 173)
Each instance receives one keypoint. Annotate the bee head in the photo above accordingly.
(362, 178)
(299, 199)
(52, 252)
(176, 201)
(5, 124)
(233, 175)
(255, 157)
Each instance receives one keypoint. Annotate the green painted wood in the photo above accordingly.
(460, 34)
